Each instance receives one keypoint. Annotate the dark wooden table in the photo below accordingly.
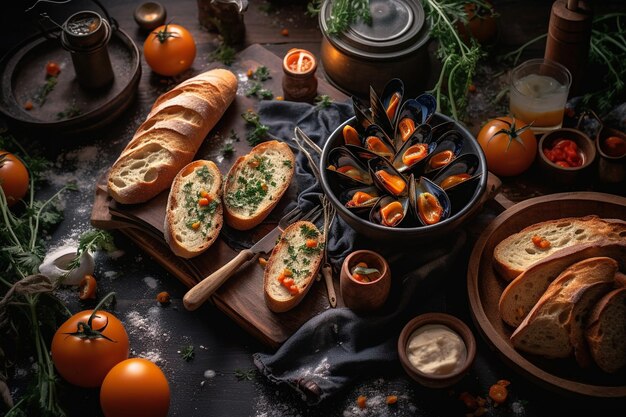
(220, 345)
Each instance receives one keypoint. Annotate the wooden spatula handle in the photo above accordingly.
(327, 273)
(201, 292)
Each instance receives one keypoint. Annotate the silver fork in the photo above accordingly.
(327, 270)
(201, 292)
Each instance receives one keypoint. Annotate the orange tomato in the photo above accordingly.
(85, 361)
(135, 388)
(14, 179)
(509, 146)
(169, 50)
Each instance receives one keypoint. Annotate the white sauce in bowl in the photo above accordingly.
(435, 349)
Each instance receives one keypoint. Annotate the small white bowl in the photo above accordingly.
(55, 265)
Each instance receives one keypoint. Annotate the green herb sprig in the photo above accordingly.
(224, 54)
(70, 111)
(42, 93)
(187, 353)
(323, 101)
(343, 13)
(91, 241)
(245, 375)
(259, 131)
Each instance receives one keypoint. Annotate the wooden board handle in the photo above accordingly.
(201, 292)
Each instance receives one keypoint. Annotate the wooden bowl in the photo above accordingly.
(454, 324)
(150, 15)
(485, 287)
(566, 175)
(364, 296)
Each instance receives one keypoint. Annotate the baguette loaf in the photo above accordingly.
(606, 331)
(256, 182)
(293, 264)
(548, 330)
(170, 136)
(516, 253)
(193, 217)
(519, 297)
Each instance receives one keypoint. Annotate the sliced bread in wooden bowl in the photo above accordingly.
(518, 252)
(547, 329)
(521, 295)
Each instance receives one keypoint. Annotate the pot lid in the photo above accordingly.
(398, 27)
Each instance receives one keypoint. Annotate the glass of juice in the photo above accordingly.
(538, 93)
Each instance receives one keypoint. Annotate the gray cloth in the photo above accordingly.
(338, 346)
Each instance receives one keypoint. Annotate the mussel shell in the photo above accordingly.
(347, 195)
(439, 130)
(362, 114)
(449, 141)
(413, 110)
(379, 108)
(377, 131)
(341, 156)
(416, 138)
(430, 104)
(424, 185)
(362, 153)
(378, 164)
(460, 194)
(375, 215)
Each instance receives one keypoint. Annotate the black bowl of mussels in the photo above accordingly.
(398, 170)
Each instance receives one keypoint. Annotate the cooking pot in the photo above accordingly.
(394, 45)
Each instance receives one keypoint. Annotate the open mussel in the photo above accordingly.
(347, 168)
(449, 146)
(387, 178)
(415, 150)
(377, 141)
(459, 180)
(385, 108)
(389, 211)
(412, 115)
(363, 115)
(430, 106)
(351, 136)
(359, 199)
(429, 202)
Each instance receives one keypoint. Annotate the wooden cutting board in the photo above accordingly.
(241, 297)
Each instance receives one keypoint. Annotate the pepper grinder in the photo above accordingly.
(569, 34)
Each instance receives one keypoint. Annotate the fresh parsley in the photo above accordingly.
(308, 232)
(70, 111)
(256, 89)
(90, 241)
(42, 93)
(224, 53)
(262, 73)
(343, 13)
(247, 375)
(187, 353)
(287, 163)
(323, 102)
(259, 131)
(228, 149)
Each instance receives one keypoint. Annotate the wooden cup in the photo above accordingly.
(364, 296)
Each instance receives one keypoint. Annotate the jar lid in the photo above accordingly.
(398, 28)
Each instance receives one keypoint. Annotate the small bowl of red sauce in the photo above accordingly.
(365, 281)
(565, 153)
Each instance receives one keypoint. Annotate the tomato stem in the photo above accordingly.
(164, 35)
(86, 330)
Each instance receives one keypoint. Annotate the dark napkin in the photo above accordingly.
(337, 347)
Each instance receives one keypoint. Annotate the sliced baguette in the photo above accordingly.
(190, 228)
(606, 331)
(547, 329)
(520, 296)
(256, 182)
(516, 253)
(292, 253)
(170, 136)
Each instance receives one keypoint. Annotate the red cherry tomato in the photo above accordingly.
(135, 388)
(52, 69)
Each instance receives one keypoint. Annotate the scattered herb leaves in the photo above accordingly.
(187, 353)
(42, 93)
(224, 54)
(228, 149)
(245, 375)
(262, 73)
(70, 111)
(343, 13)
(323, 102)
(259, 131)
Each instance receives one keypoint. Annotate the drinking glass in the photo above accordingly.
(538, 93)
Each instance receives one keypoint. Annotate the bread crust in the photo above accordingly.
(277, 297)
(170, 136)
(606, 331)
(548, 329)
(183, 239)
(519, 297)
(282, 176)
(516, 253)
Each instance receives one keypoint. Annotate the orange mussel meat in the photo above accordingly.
(415, 154)
(350, 136)
(429, 207)
(441, 159)
(348, 170)
(393, 183)
(376, 145)
(394, 102)
(391, 214)
(359, 198)
(406, 127)
(453, 180)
